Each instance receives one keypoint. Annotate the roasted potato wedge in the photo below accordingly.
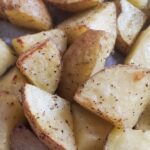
(23, 139)
(140, 51)
(7, 58)
(129, 23)
(85, 57)
(141, 4)
(75, 5)
(24, 43)
(90, 131)
(50, 118)
(42, 65)
(128, 139)
(27, 13)
(102, 17)
(118, 94)
(11, 114)
(13, 82)
(144, 120)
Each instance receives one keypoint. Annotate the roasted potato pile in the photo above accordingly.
(63, 88)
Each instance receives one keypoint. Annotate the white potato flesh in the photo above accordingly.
(140, 51)
(31, 14)
(50, 118)
(128, 139)
(42, 65)
(144, 120)
(26, 42)
(129, 24)
(118, 94)
(90, 131)
(141, 4)
(13, 82)
(7, 58)
(11, 114)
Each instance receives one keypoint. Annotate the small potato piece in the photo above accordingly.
(118, 94)
(141, 4)
(50, 118)
(11, 114)
(129, 23)
(85, 57)
(42, 65)
(13, 82)
(56, 36)
(128, 139)
(23, 139)
(7, 58)
(144, 120)
(90, 131)
(75, 5)
(102, 17)
(31, 14)
(140, 51)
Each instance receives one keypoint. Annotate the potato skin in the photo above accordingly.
(85, 57)
(75, 6)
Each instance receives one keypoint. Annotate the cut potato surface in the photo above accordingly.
(118, 94)
(23, 139)
(56, 36)
(13, 82)
(75, 5)
(50, 118)
(144, 120)
(140, 51)
(85, 57)
(90, 131)
(27, 13)
(7, 58)
(102, 17)
(129, 23)
(11, 114)
(42, 65)
(141, 4)
(128, 139)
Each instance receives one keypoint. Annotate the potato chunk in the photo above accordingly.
(11, 114)
(140, 51)
(23, 139)
(13, 82)
(7, 58)
(42, 65)
(50, 118)
(141, 4)
(129, 23)
(90, 131)
(85, 57)
(31, 14)
(144, 120)
(128, 139)
(102, 17)
(26, 42)
(118, 94)
(75, 5)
